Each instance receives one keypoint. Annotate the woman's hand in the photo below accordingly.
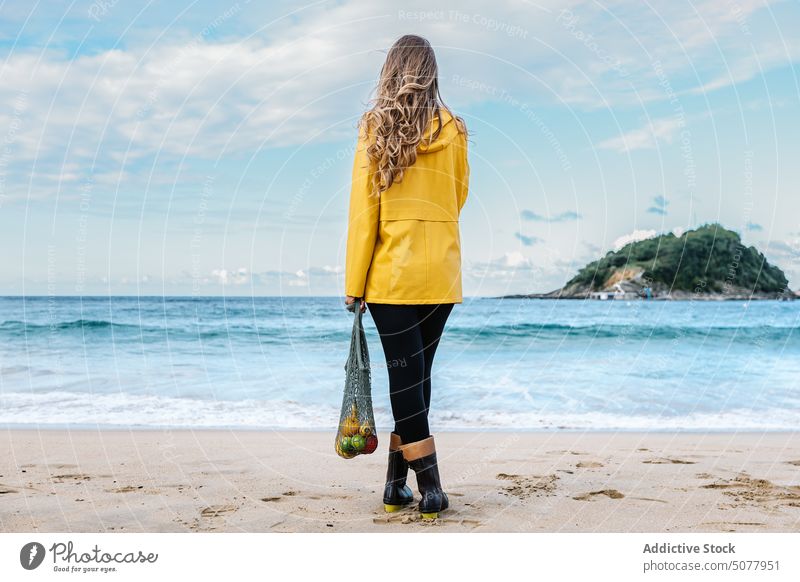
(349, 300)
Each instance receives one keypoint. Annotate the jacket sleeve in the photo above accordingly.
(462, 173)
(362, 227)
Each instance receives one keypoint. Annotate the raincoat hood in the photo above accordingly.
(446, 136)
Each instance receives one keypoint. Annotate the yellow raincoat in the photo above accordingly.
(404, 247)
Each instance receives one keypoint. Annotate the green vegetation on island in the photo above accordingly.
(709, 262)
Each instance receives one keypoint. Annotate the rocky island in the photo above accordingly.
(707, 263)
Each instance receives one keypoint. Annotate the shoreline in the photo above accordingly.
(184, 480)
(8, 427)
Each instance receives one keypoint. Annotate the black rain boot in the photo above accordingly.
(396, 494)
(421, 457)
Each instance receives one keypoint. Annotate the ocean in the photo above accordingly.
(502, 364)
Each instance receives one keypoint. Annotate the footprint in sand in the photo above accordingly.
(404, 516)
(281, 496)
(745, 490)
(523, 486)
(16, 489)
(667, 461)
(70, 477)
(612, 493)
(127, 489)
(412, 517)
(795, 463)
(440, 521)
(589, 465)
(216, 510)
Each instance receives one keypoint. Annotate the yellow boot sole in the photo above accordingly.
(392, 508)
(433, 515)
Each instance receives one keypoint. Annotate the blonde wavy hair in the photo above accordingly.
(407, 99)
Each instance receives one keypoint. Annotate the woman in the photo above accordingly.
(410, 182)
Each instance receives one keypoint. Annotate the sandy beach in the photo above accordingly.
(265, 481)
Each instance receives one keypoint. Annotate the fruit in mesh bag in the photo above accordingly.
(370, 444)
(358, 442)
(351, 426)
(365, 430)
(344, 448)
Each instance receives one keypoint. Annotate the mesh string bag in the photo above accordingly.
(357, 434)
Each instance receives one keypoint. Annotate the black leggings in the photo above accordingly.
(410, 335)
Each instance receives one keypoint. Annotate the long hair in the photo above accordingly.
(407, 99)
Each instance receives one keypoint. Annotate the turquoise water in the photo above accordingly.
(502, 364)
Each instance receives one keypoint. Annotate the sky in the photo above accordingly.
(205, 148)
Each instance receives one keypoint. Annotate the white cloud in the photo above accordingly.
(503, 267)
(785, 250)
(770, 54)
(646, 137)
(300, 279)
(226, 277)
(515, 259)
(786, 255)
(307, 77)
(636, 235)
